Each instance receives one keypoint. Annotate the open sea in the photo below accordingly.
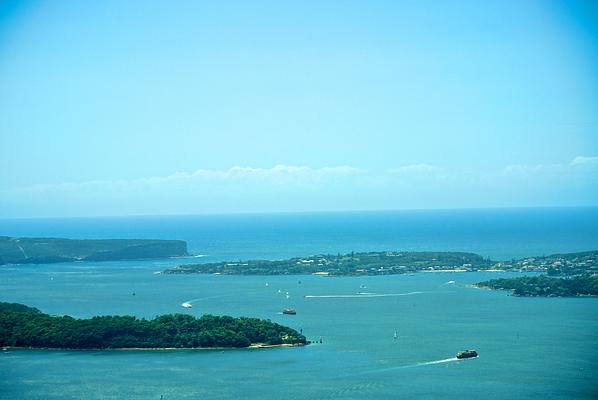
(529, 348)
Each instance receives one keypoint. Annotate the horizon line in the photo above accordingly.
(256, 213)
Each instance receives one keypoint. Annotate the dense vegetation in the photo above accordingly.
(394, 262)
(567, 264)
(48, 250)
(546, 286)
(22, 326)
(373, 263)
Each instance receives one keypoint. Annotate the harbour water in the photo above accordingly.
(528, 347)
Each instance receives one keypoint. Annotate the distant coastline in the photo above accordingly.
(398, 262)
(545, 286)
(22, 250)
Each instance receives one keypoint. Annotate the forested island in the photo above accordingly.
(546, 286)
(15, 250)
(27, 327)
(372, 263)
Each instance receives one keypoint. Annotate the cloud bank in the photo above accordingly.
(303, 188)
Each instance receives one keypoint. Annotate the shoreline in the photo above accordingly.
(251, 346)
(329, 275)
(510, 293)
(432, 271)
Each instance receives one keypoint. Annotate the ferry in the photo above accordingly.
(467, 354)
(289, 311)
(187, 305)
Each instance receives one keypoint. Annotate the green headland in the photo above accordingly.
(546, 286)
(396, 262)
(14, 250)
(570, 274)
(372, 263)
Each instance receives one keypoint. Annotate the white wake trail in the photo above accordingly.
(359, 296)
(420, 364)
(206, 298)
(436, 362)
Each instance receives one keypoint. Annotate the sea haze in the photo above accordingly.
(495, 233)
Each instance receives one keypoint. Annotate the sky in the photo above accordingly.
(188, 107)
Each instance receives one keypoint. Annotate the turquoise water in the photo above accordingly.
(495, 233)
(529, 347)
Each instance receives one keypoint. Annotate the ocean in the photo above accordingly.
(529, 347)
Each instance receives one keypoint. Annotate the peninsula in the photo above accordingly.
(16, 250)
(567, 275)
(27, 327)
(545, 286)
(372, 263)
(397, 262)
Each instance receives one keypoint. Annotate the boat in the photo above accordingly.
(289, 311)
(467, 354)
(187, 305)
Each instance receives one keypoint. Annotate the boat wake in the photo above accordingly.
(420, 364)
(436, 362)
(205, 298)
(359, 295)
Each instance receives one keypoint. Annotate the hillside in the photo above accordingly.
(372, 263)
(22, 326)
(14, 250)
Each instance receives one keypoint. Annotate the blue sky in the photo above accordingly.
(134, 107)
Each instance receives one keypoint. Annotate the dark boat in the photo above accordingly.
(467, 354)
(289, 311)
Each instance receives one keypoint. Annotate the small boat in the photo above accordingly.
(187, 305)
(467, 354)
(289, 311)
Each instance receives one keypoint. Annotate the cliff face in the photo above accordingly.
(49, 250)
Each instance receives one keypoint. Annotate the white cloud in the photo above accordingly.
(278, 175)
(303, 188)
(526, 170)
(416, 169)
(581, 160)
(578, 163)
